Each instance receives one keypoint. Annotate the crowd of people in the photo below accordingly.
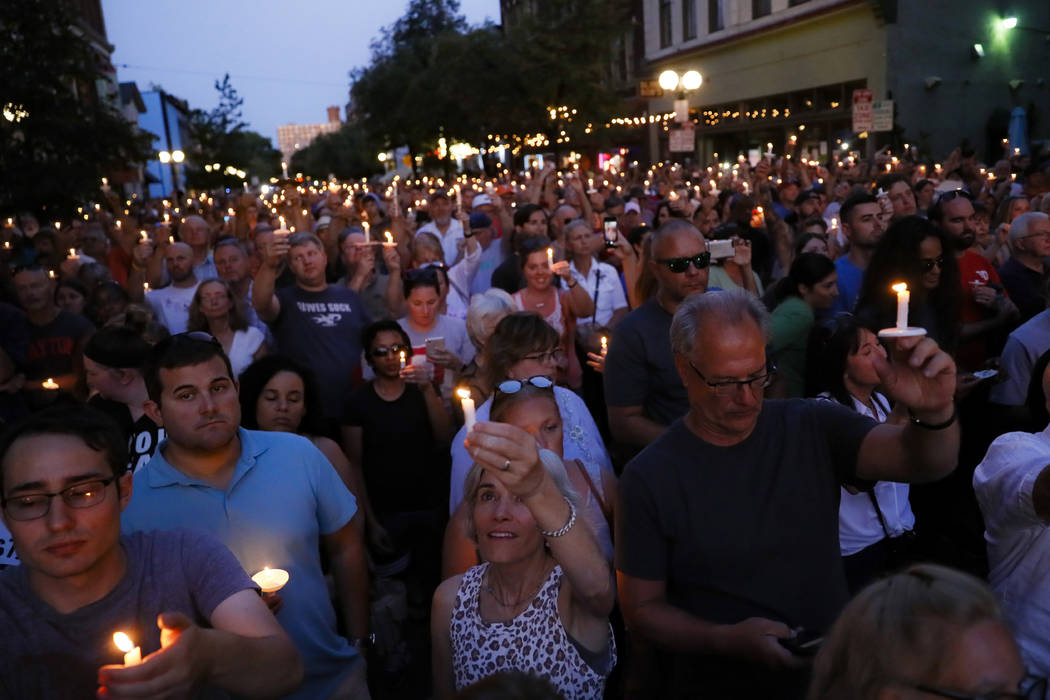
(626, 432)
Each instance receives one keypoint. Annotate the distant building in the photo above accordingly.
(167, 117)
(292, 137)
(772, 67)
(132, 178)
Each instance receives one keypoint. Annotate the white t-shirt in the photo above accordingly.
(1018, 540)
(242, 349)
(610, 292)
(172, 305)
(449, 240)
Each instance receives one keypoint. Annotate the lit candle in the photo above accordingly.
(51, 274)
(171, 240)
(58, 225)
(550, 257)
(281, 218)
(366, 227)
(459, 206)
(271, 580)
(389, 240)
(132, 653)
(903, 296)
(402, 354)
(145, 236)
(49, 384)
(7, 245)
(605, 345)
(166, 217)
(145, 287)
(73, 254)
(468, 408)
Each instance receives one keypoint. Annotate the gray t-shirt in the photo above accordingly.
(45, 654)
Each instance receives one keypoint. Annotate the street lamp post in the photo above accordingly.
(173, 158)
(680, 85)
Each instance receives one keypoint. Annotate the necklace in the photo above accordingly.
(491, 591)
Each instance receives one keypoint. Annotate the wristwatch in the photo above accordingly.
(363, 643)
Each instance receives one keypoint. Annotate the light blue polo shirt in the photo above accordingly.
(283, 496)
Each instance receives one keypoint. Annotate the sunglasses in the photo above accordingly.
(952, 194)
(929, 263)
(513, 386)
(679, 265)
(384, 350)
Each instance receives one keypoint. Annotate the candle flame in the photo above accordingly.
(389, 237)
(123, 642)
(899, 287)
(463, 393)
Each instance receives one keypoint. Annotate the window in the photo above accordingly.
(760, 8)
(665, 23)
(716, 15)
(688, 19)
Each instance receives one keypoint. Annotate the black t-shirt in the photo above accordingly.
(143, 435)
(400, 461)
(749, 530)
(52, 346)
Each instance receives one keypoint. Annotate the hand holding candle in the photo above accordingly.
(605, 345)
(902, 329)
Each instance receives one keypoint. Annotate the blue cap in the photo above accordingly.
(480, 220)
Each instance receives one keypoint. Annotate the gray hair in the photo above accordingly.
(701, 315)
(485, 312)
(577, 223)
(1020, 227)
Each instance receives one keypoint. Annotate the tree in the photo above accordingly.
(63, 136)
(221, 137)
(347, 153)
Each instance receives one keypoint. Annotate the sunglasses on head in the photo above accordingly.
(385, 350)
(679, 265)
(952, 194)
(513, 386)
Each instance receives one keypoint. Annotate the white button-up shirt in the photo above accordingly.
(610, 292)
(449, 240)
(1018, 541)
(859, 525)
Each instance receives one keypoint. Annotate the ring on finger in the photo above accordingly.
(506, 466)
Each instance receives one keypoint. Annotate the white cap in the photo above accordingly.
(632, 206)
(481, 199)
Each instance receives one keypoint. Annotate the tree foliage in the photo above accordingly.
(70, 135)
(220, 137)
(433, 76)
(347, 153)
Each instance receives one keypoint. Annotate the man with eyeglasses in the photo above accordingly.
(643, 392)
(1024, 275)
(182, 598)
(727, 533)
(271, 497)
(985, 309)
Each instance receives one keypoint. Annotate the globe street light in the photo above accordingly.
(668, 80)
(164, 157)
(178, 156)
(691, 80)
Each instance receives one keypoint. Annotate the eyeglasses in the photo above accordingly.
(1032, 688)
(729, 387)
(679, 265)
(513, 386)
(383, 350)
(952, 194)
(556, 355)
(31, 506)
(929, 263)
(1045, 236)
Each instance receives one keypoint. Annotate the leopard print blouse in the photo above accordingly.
(534, 642)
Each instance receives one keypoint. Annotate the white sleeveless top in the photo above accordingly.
(534, 642)
(556, 319)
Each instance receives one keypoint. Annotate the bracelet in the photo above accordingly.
(468, 235)
(567, 526)
(572, 286)
(933, 426)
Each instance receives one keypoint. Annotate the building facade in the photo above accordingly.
(167, 118)
(292, 137)
(779, 68)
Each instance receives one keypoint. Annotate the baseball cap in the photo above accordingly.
(481, 200)
(373, 196)
(632, 206)
(806, 196)
(480, 219)
(323, 222)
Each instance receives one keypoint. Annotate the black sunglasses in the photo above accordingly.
(679, 265)
(929, 263)
(952, 194)
(384, 350)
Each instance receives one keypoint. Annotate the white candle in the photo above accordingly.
(132, 653)
(366, 227)
(271, 580)
(459, 206)
(468, 408)
(73, 254)
(389, 240)
(145, 237)
(605, 345)
(550, 257)
(145, 287)
(903, 296)
(402, 354)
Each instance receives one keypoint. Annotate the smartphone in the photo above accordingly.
(720, 249)
(609, 228)
(804, 643)
(435, 344)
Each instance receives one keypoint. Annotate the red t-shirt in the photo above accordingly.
(974, 271)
